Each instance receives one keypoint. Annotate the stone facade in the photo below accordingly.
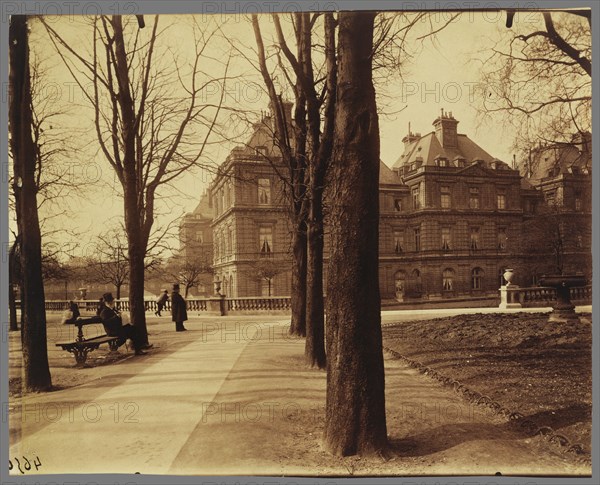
(251, 226)
(452, 217)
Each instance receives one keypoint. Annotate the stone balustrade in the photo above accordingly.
(217, 304)
(512, 296)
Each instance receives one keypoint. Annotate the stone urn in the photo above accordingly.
(508, 276)
(563, 310)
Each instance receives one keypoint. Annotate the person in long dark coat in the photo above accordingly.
(178, 309)
(113, 325)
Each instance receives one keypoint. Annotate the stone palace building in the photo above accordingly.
(452, 216)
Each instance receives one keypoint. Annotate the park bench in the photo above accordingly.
(82, 346)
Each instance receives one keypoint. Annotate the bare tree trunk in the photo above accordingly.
(13, 326)
(36, 369)
(12, 281)
(314, 349)
(137, 310)
(132, 187)
(321, 145)
(298, 323)
(355, 402)
(118, 288)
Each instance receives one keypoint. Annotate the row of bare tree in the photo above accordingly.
(149, 137)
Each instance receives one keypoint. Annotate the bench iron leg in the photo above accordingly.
(80, 355)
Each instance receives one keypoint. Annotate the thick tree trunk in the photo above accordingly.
(13, 326)
(118, 288)
(12, 281)
(137, 310)
(133, 188)
(355, 403)
(36, 371)
(314, 349)
(298, 323)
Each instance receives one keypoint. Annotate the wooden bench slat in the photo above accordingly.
(81, 348)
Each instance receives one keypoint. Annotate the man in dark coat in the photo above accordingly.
(178, 309)
(113, 324)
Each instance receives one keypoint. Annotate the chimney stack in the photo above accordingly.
(445, 129)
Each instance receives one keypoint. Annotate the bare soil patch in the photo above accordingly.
(540, 369)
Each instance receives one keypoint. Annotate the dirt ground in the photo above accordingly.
(62, 364)
(542, 370)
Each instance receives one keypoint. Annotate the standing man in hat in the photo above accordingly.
(178, 309)
(113, 325)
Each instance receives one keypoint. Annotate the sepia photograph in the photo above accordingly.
(321, 241)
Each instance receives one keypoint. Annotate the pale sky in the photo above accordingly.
(443, 74)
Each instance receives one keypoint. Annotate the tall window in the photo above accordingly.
(446, 242)
(476, 278)
(577, 201)
(448, 279)
(475, 242)
(417, 239)
(398, 242)
(398, 205)
(229, 241)
(266, 240)
(200, 237)
(445, 197)
(264, 191)
(474, 198)
(227, 196)
(501, 199)
(415, 280)
(416, 197)
(502, 238)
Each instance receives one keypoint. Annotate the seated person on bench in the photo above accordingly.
(72, 313)
(113, 324)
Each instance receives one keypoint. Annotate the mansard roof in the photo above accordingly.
(429, 148)
(553, 160)
(387, 175)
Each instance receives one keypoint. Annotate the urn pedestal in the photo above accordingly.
(563, 311)
(509, 294)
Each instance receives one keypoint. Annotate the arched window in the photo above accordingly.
(448, 279)
(415, 286)
(476, 278)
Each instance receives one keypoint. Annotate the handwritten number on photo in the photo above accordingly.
(27, 465)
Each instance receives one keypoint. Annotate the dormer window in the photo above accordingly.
(261, 150)
(460, 162)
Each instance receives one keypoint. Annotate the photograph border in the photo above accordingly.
(76, 7)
